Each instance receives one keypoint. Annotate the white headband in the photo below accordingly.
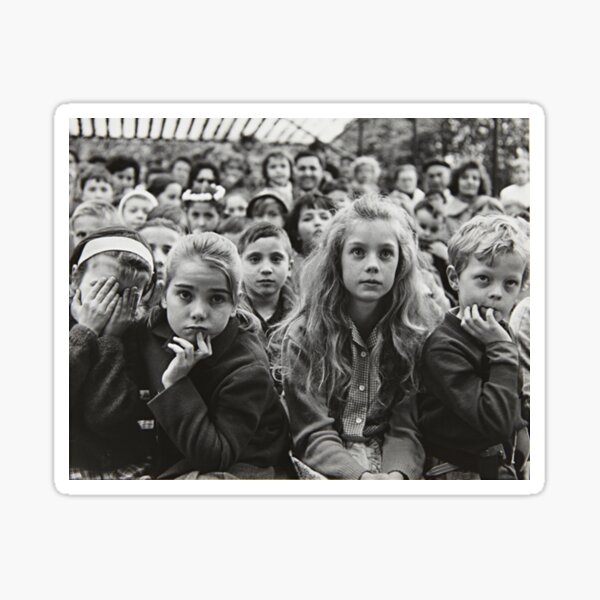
(121, 244)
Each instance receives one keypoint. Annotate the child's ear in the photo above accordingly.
(452, 277)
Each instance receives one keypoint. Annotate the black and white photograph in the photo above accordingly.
(277, 301)
(298, 300)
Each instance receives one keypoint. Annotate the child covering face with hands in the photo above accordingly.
(110, 270)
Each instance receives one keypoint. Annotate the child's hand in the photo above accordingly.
(99, 303)
(394, 475)
(439, 249)
(185, 358)
(123, 314)
(488, 330)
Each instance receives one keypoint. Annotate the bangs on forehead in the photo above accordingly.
(216, 265)
(489, 253)
(316, 204)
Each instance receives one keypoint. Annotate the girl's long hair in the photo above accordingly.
(322, 312)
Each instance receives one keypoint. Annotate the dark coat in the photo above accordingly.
(104, 404)
(469, 398)
(226, 411)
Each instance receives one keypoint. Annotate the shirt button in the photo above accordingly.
(363, 354)
(361, 388)
(358, 420)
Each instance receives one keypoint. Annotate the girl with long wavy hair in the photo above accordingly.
(350, 348)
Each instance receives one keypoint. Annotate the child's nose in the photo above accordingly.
(198, 311)
(372, 263)
(496, 292)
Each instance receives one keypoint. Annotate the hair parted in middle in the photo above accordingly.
(323, 306)
(221, 254)
(484, 185)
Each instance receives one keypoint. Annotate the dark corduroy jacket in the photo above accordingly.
(226, 411)
(470, 397)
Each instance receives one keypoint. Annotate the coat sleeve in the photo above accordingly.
(83, 354)
(315, 440)
(492, 406)
(102, 389)
(402, 448)
(214, 441)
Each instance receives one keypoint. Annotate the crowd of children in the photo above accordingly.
(307, 325)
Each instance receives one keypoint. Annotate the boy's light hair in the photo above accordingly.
(92, 208)
(486, 237)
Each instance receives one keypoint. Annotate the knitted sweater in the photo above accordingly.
(104, 404)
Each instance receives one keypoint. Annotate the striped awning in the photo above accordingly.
(271, 131)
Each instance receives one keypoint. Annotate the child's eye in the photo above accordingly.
(512, 282)
(357, 251)
(184, 295)
(218, 299)
(483, 278)
(387, 253)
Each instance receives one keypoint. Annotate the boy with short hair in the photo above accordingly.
(96, 185)
(470, 405)
(430, 235)
(266, 254)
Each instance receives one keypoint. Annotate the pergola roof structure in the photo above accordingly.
(270, 131)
